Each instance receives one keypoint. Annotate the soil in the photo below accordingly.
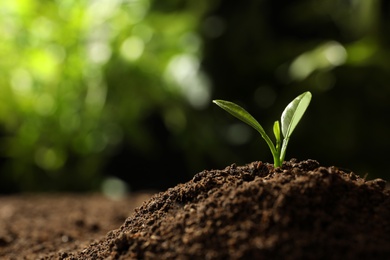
(299, 211)
(43, 226)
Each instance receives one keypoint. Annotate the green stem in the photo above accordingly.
(284, 148)
(275, 153)
(276, 161)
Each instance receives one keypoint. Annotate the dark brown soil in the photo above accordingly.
(45, 225)
(299, 211)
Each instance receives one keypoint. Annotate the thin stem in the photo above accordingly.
(275, 153)
(284, 148)
(277, 161)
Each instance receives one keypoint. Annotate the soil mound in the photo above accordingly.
(299, 211)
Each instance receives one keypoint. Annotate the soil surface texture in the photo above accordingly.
(299, 211)
(46, 226)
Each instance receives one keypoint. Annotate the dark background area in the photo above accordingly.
(119, 92)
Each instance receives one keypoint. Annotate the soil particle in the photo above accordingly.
(299, 211)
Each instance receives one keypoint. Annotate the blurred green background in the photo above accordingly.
(94, 92)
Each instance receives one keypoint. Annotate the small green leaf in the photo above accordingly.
(240, 113)
(291, 116)
(277, 135)
(237, 111)
(293, 113)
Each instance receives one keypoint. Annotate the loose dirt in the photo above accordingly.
(44, 226)
(300, 211)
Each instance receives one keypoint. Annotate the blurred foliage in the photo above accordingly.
(80, 77)
(123, 87)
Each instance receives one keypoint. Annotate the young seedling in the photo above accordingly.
(291, 116)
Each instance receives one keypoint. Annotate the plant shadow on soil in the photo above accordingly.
(299, 211)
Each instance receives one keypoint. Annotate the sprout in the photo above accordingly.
(291, 116)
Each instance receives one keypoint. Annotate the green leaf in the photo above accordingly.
(293, 113)
(240, 113)
(277, 135)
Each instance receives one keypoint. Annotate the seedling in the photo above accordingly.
(291, 116)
